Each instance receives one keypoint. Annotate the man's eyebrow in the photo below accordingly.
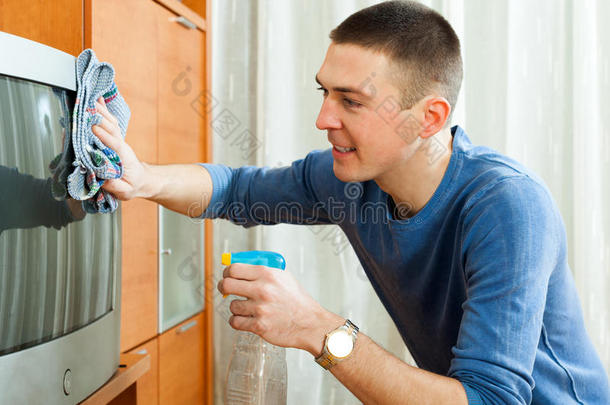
(345, 89)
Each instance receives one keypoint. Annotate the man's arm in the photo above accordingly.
(511, 243)
(282, 313)
(377, 377)
(246, 196)
(185, 188)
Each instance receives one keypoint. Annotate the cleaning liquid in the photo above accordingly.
(257, 371)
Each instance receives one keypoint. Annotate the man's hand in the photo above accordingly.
(184, 188)
(277, 308)
(132, 183)
(281, 312)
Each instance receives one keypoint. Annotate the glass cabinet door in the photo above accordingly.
(181, 268)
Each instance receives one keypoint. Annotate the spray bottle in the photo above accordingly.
(257, 371)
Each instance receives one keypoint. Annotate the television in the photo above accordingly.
(60, 272)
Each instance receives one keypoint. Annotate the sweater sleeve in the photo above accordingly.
(294, 194)
(510, 249)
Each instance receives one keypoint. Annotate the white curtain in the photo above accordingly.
(536, 73)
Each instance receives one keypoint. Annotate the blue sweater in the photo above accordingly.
(477, 282)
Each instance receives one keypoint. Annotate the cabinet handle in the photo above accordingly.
(143, 351)
(184, 22)
(186, 327)
(166, 252)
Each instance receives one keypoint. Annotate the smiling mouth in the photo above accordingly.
(344, 150)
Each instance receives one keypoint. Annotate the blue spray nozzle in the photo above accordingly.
(256, 257)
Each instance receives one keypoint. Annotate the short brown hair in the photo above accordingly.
(418, 39)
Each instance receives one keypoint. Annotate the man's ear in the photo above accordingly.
(436, 111)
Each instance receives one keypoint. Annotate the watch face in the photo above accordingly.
(340, 343)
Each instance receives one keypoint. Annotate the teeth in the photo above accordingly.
(340, 149)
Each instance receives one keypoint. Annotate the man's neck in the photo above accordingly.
(412, 185)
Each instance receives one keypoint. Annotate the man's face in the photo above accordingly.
(361, 112)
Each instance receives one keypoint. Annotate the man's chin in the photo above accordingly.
(346, 176)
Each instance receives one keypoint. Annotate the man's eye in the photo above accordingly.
(351, 103)
(324, 91)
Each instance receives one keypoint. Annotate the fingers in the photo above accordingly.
(107, 115)
(110, 127)
(100, 106)
(242, 271)
(234, 286)
(106, 137)
(245, 323)
(107, 130)
(119, 188)
(242, 308)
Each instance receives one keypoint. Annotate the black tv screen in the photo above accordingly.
(56, 263)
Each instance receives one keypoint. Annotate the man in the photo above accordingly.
(469, 256)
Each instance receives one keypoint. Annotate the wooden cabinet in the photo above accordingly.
(124, 386)
(129, 48)
(181, 86)
(161, 72)
(148, 387)
(57, 23)
(198, 6)
(181, 369)
(161, 64)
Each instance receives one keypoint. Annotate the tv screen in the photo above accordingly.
(56, 263)
(60, 270)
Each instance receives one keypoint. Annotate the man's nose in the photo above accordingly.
(328, 117)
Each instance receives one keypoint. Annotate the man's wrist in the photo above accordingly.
(151, 182)
(323, 323)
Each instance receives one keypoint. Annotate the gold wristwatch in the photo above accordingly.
(338, 345)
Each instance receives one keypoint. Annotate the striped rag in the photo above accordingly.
(93, 161)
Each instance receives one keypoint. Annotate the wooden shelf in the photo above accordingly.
(121, 388)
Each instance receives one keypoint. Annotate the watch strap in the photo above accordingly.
(326, 359)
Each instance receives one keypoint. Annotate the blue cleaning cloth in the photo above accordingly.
(94, 163)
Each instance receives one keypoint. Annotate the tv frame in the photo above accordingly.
(67, 369)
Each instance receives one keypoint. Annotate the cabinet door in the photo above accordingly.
(181, 91)
(121, 33)
(181, 364)
(58, 23)
(148, 385)
(181, 261)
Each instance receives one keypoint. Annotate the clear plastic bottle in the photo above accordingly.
(257, 373)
